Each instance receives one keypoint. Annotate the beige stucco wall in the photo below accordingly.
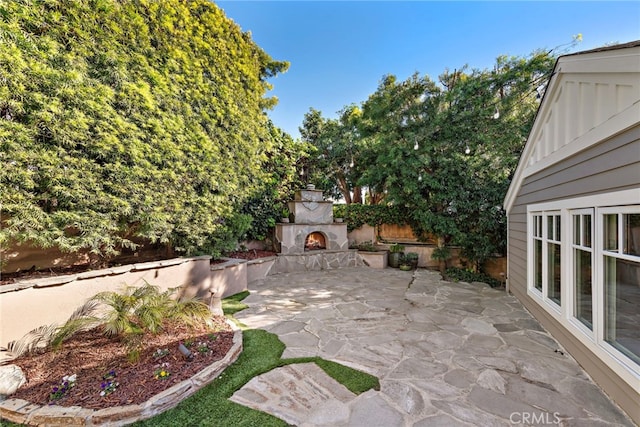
(25, 306)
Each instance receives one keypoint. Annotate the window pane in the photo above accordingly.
(537, 265)
(539, 222)
(622, 298)
(576, 230)
(550, 227)
(632, 234)
(583, 304)
(586, 230)
(556, 236)
(611, 232)
(553, 254)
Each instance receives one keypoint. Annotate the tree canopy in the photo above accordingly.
(442, 152)
(131, 119)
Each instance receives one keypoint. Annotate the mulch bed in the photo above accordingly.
(90, 355)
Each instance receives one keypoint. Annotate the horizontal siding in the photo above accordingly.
(593, 171)
(612, 165)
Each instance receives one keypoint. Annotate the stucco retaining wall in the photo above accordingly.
(28, 304)
(229, 278)
(260, 268)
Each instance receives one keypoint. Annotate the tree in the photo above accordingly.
(333, 164)
(129, 119)
(445, 153)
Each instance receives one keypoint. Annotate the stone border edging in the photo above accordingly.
(24, 412)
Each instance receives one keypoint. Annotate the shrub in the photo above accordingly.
(132, 313)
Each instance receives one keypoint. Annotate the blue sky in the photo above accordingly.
(339, 50)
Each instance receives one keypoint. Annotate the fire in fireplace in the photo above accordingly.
(315, 241)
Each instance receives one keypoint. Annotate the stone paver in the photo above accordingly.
(450, 354)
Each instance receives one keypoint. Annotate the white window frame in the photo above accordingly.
(543, 296)
(600, 253)
(626, 201)
(571, 264)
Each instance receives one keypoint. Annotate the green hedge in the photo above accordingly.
(122, 119)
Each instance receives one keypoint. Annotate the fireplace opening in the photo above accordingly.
(315, 241)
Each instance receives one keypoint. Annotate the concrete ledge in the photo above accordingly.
(23, 412)
(29, 304)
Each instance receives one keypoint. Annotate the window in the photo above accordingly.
(553, 259)
(584, 270)
(621, 262)
(583, 267)
(537, 248)
(547, 277)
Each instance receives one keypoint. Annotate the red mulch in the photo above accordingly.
(7, 278)
(90, 355)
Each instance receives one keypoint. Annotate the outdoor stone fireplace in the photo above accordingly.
(312, 227)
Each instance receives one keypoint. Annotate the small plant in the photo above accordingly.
(409, 261)
(464, 275)
(162, 372)
(109, 383)
(188, 342)
(203, 347)
(285, 215)
(411, 257)
(160, 353)
(58, 392)
(396, 248)
(367, 246)
(212, 336)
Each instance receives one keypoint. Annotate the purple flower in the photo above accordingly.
(55, 389)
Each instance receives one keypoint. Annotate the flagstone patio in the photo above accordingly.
(446, 354)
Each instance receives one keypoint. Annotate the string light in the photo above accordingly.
(467, 151)
(497, 114)
(416, 146)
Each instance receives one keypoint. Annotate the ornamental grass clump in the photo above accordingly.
(132, 313)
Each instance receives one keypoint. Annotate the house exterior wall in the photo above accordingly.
(607, 167)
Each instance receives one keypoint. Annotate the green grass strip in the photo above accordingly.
(262, 352)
